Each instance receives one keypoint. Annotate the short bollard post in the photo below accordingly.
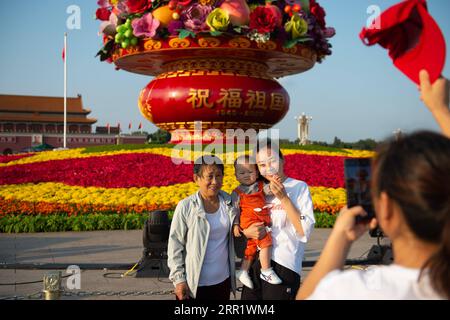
(52, 285)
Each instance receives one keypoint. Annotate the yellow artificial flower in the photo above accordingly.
(218, 20)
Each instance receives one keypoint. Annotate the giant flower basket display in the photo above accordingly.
(214, 61)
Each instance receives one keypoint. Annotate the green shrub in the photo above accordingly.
(324, 220)
(63, 222)
(92, 222)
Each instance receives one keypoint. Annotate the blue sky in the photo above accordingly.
(354, 94)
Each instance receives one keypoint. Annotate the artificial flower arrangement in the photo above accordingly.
(127, 22)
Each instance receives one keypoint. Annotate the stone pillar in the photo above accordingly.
(303, 129)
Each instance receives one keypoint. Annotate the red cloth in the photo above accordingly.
(247, 204)
(412, 37)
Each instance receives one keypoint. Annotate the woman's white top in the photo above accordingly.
(288, 246)
(215, 268)
(392, 282)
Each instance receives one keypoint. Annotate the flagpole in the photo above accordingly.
(65, 91)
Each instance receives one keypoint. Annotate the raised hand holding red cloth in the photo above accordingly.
(412, 37)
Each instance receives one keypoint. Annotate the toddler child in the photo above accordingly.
(250, 198)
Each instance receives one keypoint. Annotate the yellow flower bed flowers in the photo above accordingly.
(324, 199)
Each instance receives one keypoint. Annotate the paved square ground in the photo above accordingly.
(106, 248)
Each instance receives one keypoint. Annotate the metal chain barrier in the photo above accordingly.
(82, 294)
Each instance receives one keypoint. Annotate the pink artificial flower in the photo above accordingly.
(103, 3)
(329, 32)
(145, 26)
(109, 27)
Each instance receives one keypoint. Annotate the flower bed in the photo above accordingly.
(316, 170)
(124, 182)
(117, 171)
(6, 159)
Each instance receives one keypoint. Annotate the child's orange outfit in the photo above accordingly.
(248, 203)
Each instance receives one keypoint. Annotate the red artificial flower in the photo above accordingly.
(263, 20)
(138, 6)
(318, 12)
(103, 14)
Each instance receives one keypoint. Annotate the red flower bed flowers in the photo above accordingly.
(6, 159)
(316, 171)
(121, 171)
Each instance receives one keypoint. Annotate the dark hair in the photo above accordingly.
(269, 144)
(415, 172)
(209, 160)
(251, 159)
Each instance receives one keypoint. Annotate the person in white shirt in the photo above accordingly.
(292, 216)
(411, 196)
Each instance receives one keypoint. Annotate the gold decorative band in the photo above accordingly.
(213, 66)
(208, 42)
(179, 43)
(222, 126)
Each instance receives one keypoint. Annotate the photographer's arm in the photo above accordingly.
(333, 256)
(436, 98)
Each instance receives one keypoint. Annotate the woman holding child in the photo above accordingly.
(292, 220)
(201, 250)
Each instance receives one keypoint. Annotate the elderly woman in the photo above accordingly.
(200, 250)
(292, 216)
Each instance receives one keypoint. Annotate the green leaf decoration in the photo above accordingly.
(215, 33)
(186, 33)
(183, 34)
(303, 40)
(106, 51)
(291, 43)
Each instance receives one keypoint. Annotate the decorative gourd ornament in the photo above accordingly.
(164, 15)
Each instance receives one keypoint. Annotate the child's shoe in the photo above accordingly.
(270, 276)
(244, 278)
